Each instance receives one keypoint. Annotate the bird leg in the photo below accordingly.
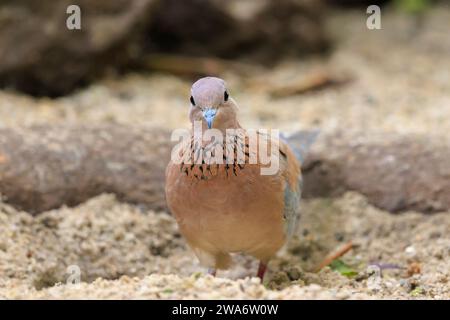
(212, 271)
(261, 270)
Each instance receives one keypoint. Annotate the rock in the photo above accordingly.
(39, 55)
(342, 295)
(411, 251)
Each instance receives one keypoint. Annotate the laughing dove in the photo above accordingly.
(230, 206)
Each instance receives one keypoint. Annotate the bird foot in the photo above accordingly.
(261, 270)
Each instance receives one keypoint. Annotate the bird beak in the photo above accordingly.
(209, 115)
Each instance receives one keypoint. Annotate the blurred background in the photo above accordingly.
(289, 63)
(85, 118)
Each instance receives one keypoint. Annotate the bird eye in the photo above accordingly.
(192, 100)
(225, 96)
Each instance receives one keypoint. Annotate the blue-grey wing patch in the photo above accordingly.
(301, 142)
(291, 208)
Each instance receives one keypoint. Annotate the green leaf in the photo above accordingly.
(343, 268)
(413, 6)
(167, 291)
(417, 292)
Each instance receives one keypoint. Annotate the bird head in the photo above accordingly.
(212, 105)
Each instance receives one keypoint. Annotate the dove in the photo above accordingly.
(229, 206)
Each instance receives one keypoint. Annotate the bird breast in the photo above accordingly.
(231, 210)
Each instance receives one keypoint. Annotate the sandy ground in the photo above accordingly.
(400, 83)
(107, 239)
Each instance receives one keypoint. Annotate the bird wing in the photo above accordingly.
(291, 173)
(301, 142)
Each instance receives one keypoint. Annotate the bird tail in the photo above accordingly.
(301, 142)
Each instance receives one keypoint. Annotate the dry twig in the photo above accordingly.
(330, 258)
